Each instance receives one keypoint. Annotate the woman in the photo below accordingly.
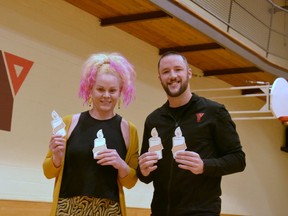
(89, 182)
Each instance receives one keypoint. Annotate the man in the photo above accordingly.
(187, 177)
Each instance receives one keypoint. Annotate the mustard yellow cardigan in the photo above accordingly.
(50, 171)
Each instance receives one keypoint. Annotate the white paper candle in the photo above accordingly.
(155, 144)
(178, 142)
(99, 143)
(57, 124)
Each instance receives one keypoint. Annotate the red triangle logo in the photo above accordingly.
(18, 69)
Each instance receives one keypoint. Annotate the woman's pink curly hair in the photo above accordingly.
(117, 64)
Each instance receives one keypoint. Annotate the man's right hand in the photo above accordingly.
(147, 163)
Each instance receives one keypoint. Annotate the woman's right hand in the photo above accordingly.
(57, 147)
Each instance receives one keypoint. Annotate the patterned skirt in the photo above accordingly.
(87, 206)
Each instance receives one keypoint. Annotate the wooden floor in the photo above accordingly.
(29, 208)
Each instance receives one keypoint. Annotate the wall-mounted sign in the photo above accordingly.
(13, 71)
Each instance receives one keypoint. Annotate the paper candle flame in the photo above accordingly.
(178, 132)
(54, 114)
(154, 132)
(100, 134)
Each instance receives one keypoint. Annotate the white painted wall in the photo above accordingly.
(58, 37)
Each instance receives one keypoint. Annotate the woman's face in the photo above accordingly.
(105, 92)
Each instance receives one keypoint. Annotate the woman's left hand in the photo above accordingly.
(111, 157)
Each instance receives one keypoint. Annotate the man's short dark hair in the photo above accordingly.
(168, 53)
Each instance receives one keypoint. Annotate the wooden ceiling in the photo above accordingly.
(150, 23)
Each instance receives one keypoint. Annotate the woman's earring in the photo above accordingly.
(90, 101)
(119, 103)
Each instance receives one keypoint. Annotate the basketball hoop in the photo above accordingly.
(279, 104)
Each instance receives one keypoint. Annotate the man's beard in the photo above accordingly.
(180, 91)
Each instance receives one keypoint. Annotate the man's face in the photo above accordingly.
(174, 75)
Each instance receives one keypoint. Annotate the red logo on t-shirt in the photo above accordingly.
(199, 116)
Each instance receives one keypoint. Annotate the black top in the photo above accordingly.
(82, 175)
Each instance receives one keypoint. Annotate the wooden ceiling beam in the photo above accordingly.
(231, 71)
(133, 18)
(251, 91)
(192, 48)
